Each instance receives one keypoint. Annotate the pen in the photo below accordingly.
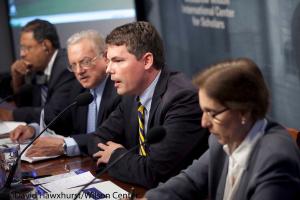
(42, 176)
(37, 177)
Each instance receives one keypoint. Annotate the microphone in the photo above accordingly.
(23, 89)
(84, 99)
(154, 135)
(80, 100)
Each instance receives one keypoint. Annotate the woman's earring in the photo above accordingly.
(243, 121)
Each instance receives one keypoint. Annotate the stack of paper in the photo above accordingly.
(67, 186)
(103, 190)
(35, 159)
(56, 177)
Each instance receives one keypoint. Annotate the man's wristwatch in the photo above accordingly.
(65, 148)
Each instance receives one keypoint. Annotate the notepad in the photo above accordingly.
(68, 185)
(68, 182)
(57, 177)
(103, 190)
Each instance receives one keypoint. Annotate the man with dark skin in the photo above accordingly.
(42, 65)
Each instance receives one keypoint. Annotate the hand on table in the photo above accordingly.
(107, 149)
(46, 146)
(21, 133)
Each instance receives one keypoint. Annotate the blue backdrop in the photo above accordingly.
(198, 33)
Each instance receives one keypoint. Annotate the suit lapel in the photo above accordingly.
(222, 182)
(241, 192)
(158, 92)
(218, 171)
(129, 109)
(82, 111)
(56, 70)
(105, 100)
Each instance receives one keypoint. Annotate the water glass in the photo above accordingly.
(8, 155)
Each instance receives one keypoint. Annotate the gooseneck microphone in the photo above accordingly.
(23, 89)
(80, 100)
(6, 98)
(154, 135)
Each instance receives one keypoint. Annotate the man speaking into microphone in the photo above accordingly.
(152, 96)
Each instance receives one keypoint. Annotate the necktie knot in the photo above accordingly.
(41, 78)
(141, 108)
(94, 94)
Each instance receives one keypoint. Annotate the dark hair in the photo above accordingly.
(237, 84)
(139, 37)
(42, 30)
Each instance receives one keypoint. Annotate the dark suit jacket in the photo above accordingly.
(273, 172)
(59, 86)
(174, 106)
(75, 121)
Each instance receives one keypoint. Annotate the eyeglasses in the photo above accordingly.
(85, 63)
(28, 48)
(212, 115)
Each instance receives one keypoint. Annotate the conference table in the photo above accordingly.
(64, 164)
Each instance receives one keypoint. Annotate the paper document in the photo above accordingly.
(68, 182)
(67, 186)
(7, 126)
(56, 177)
(103, 190)
(5, 141)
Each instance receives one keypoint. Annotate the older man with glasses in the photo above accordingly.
(86, 53)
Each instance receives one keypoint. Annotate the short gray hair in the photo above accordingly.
(94, 36)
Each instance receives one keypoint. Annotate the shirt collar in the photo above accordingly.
(48, 69)
(242, 152)
(99, 88)
(146, 97)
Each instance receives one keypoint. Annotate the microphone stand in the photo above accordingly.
(5, 98)
(4, 192)
(107, 168)
(81, 99)
(14, 167)
(154, 135)
(22, 90)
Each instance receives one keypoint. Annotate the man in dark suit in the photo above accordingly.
(86, 53)
(43, 66)
(136, 65)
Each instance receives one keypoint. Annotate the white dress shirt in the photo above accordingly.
(238, 159)
(71, 145)
(146, 100)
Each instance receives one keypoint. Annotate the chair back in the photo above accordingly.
(295, 134)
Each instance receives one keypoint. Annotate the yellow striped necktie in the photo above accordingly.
(141, 120)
